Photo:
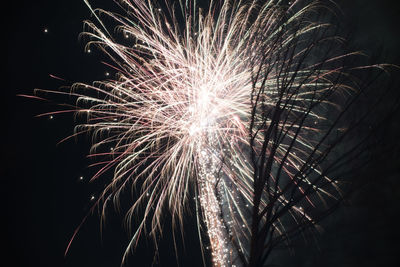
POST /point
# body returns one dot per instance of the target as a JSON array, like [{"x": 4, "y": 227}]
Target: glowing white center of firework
[
  {"x": 204, "y": 97},
  {"x": 193, "y": 129},
  {"x": 203, "y": 112}
]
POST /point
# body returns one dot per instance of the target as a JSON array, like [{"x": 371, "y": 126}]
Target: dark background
[{"x": 44, "y": 200}]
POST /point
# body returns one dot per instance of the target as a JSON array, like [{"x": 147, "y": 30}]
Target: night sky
[{"x": 45, "y": 199}]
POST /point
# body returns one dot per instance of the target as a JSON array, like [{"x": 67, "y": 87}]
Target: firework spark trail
[
  {"x": 208, "y": 186},
  {"x": 178, "y": 113}
]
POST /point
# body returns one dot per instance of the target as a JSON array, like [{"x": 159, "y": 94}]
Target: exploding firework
[{"x": 198, "y": 91}]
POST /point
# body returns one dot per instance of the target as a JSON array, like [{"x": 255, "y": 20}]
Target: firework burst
[{"x": 192, "y": 87}]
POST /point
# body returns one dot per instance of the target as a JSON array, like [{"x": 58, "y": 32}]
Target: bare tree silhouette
[{"x": 315, "y": 114}]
